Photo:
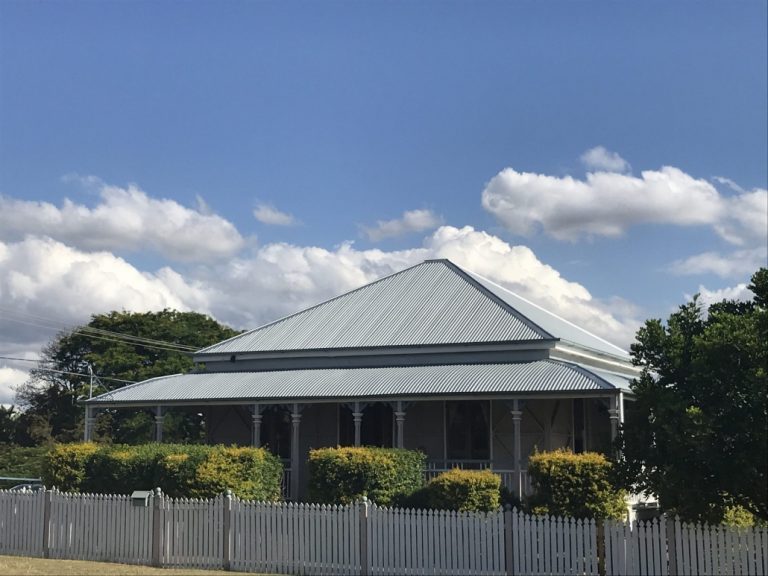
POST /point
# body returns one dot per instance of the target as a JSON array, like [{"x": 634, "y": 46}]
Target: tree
[
  {"x": 50, "y": 399},
  {"x": 697, "y": 434}
]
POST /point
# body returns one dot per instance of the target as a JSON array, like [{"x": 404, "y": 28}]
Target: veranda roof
[
  {"x": 432, "y": 303},
  {"x": 543, "y": 376}
]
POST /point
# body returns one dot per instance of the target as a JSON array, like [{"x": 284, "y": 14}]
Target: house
[{"x": 434, "y": 358}]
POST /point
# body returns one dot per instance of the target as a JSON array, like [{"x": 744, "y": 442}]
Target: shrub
[
  {"x": 383, "y": 475},
  {"x": 739, "y": 517},
  {"x": 179, "y": 470},
  {"x": 577, "y": 485},
  {"x": 465, "y": 490},
  {"x": 250, "y": 473},
  {"x": 65, "y": 465}
]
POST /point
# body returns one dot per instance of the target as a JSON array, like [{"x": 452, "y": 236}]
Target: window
[{"x": 468, "y": 430}]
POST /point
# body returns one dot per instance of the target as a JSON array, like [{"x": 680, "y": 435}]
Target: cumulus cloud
[
  {"x": 41, "y": 279},
  {"x": 726, "y": 265},
  {"x": 10, "y": 378},
  {"x": 267, "y": 214},
  {"x": 410, "y": 221},
  {"x": 601, "y": 159},
  {"x": 607, "y": 204},
  {"x": 737, "y": 292},
  {"x": 125, "y": 219}
]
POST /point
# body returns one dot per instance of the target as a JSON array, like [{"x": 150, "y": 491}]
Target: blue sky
[{"x": 246, "y": 159}]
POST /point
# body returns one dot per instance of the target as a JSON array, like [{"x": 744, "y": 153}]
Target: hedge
[
  {"x": 577, "y": 485},
  {"x": 383, "y": 475},
  {"x": 465, "y": 490},
  {"x": 179, "y": 470},
  {"x": 64, "y": 465}
]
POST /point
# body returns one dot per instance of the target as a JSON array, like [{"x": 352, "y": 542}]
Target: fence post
[
  {"x": 671, "y": 546},
  {"x": 600, "y": 546},
  {"x": 47, "y": 495},
  {"x": 508, "y": 566},
  {"x": 365, "y": 568},
  {"x": 158, "y": 514},
  {"x": 227, "y": 530}
]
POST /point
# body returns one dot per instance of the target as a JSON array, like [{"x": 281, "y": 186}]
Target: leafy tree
[
  {"x": 697, "y": 434},
  {"x": 8, "y": 419},
  {"x": 50, "y": 399}
]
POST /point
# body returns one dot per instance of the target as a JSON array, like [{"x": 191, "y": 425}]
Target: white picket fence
[
  {"x": 672, "y": 547},
  {"x": 295, "y": 538},
  {"x": 97, "y": 527},
  {"x": 192, "y": 532},
  {"x": 22, "y": 523},
  {"x": 362, "y": 538},
  {"x": 553, "y": 545},
  {"x": 435, "y": 542}
]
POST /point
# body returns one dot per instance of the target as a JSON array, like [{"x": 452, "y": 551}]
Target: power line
[
  {"x": 64, "y": 326},
  {"x": 120, "y": 338},
  {"x": 66, "y": 372},
  {"x": 19, "y": 359}
]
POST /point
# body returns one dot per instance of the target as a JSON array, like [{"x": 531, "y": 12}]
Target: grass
[{"x": 17, "y": 565}]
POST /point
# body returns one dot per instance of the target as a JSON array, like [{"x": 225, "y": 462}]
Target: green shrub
[
  {"x": 465, "y": 490},
  {"x": 253, "y": 474},
  {"x": 739, "y": 517},
  {"x": 577, "y": 485},
  {"x": 179, "y": 470},
  {"x": 383, "y": 475},
  {"x": 65, "y": 465}
]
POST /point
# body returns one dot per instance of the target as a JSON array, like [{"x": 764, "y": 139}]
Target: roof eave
[{"x": 517, "y": 345}]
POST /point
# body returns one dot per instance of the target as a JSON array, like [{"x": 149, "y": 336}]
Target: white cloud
[
  {"x": 46, "y": 286},
  {"x": 267, "y": 214},
  {"x": 709, "y": 297},
  {"x": 10, "y": 378},
  {"x": 729, "y": 183},
  {"x": 410, "y": 221},
  {"x": 726, "y": 265},
  {"x": 601, "y": 159},
  {"x": 607, "y": 204},
  {"x": 126, "y": 219},
  {"x": 745, "y": 218}
]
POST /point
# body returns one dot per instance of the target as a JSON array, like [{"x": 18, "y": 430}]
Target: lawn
[{"x": 13, "y": 565}]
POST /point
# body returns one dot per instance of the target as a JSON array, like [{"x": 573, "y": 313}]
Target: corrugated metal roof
[
  {"x": 426, "y": 304},
  {"x": 551, "y": 323},
  {"x": 329, "y": 384}
]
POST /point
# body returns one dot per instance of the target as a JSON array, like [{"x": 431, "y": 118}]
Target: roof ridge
[
  {"x": 560, "y": 318},
  {"x": 313, "y": 307},
  {"x": 465, "y": 275}
]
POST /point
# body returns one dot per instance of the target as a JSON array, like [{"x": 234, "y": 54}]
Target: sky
[{"x": 246, "y": 159}]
